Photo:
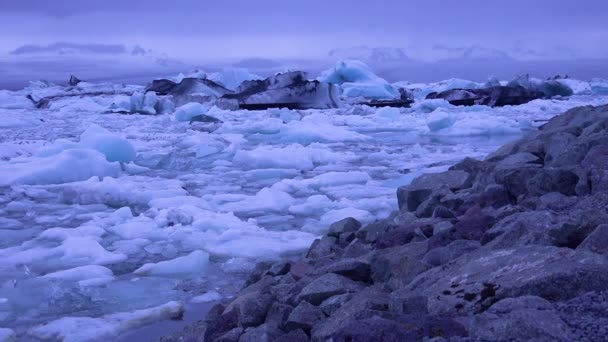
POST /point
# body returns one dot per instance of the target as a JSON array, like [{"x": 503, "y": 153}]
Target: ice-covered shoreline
[{"x": 104, "y": 213}]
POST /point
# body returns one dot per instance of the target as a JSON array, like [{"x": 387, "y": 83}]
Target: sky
[{"x": 198, "y": 29}]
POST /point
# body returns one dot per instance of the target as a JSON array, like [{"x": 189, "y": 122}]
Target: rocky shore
[{"x": 511, "y": 248}]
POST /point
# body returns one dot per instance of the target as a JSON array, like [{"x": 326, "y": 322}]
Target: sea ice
[
  {"x": 193, "y": 263},
  {"x": 358, "y": 80},
  {"x": 190, "y": 110}
]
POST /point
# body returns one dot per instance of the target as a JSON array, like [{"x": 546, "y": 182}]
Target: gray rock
[
  {"x": 252, "y": 312},
  {"x": 300, "y": 269},
  {"x": 326, "y": 286},
  {"x": 279, "y": 268},
  {"x": 443, "y": 255},
  {"x": 297, "y": 335},
  {"x": 262, "y": 333},
  {"x": 326, "y": 246},
  {"x": 232, "y": 335},
  {"x": 371, "y": 232},
  {"x": 398, "y": 266},
  {"x": 221, "y": 324},
  {"x": 356, "y": 248},
  {"x": 476, "y": 280},
  {"x": 347, "y": 225},
  {"x": 372, "y": 329},
  {"x": 597, "y": 241},
  {"x": 331, "y": 304},
  {"x": 277, "y": 314},
  {"x": 587, "y": 316},
  {"x": 365, "y": 304},
  {"x": 205, "y": 118},
  {"x": 525, "y": 318},
  {"x": 411, "y": 196},
  {"x": 350, "y": 268},
  {"x": 518, "y": 160},
  {"x": 304, "y": 317}
]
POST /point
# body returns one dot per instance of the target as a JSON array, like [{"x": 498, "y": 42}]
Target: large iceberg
[
  {"x": 231, "y": 78},
  {"x": 358, "y": 80}
]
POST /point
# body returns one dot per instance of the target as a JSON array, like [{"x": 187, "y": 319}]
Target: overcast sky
[{"x": 284, "y": 28}]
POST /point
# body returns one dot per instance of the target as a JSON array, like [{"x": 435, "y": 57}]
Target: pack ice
[{"x": 116, "y": 215}]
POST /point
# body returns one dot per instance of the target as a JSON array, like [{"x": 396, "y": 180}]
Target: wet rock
[
  {"x": 326, "y": 286},
  {"x": 304, "y": 317}
]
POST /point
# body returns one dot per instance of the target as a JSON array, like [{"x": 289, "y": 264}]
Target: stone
[
  {"x": 397, "y": 266},
  {"x": 279, "y": 268},
  {"x": 331, "y": 304},
  {"x": 304, "y": 317},
  {"x": 586, "y": 316},
  {"x": 300, "y": 269},
  {"x": 356, "y": 248},
  {"x": 365, "y": 304},
  {"x": 326, "y": 246},
  {"x": 597, "y": 241},
  {"x": 258, "y": 272},
  {"x": 262, "y": 333},
  {"x": 411, "y": 196},
  {"x": 277, "y": 314},
  {"x": 347, "y": 225},
  {"x": 350, "y": 268},
  {"x": 252, "y": 311},
  {"x": 443, "y": 255},
  {"x": 371, "y": 232},
  {"x": 431, "y": 327},
  {"x": 232, "y": 335},
  {"x": 326, "y": 286},
  {"x": 396, "y": 237},
  {"x": 297, "y": 335},
  {"x": 553, "y": 180},
  {"x": 74, "y": 81},
  {"x": 597, "y": 158},
  {"x": 221, "y": 324},
  {"x": 476, "y": 280},
  {"x": 526, "y": 318},
  {"x": 372, "y": 329}
]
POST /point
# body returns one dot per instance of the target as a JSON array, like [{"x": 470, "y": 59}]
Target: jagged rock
[
  {"x": 494, "y": 96},
  {"x": 372, "y": 329},
  {"x": 286, "y": 90},
  {"x": 371, "y": 232},
  {"x": 326, "y": 286},
  {"x": 300, "y": 269},
  {"x": 326, "y": 246},
  {"x": 262, "y": 333},
  {"x": 597, "y": 241},
  {"x": 397, "y": 266},
  {"x": 586, "y": 315},
  {"x": 279, "y": 268},
  {"x": 474, "y": 281},
  {"x": 443, "y": 255},
  {"x": 219, "y": 325},
  {"x": 277, "y": 314},
  {"x": 232, "y": 335},
  {"x": 411, "y": 196},
  {"x": 304, "y": 317},
  {"x": 331, "y": 304},
  {"x": 347, "y": 225},
  {"x": 350, "y": 268},
  {"x": 297, "y": 335},
  {"x": 526, "y": 318}
]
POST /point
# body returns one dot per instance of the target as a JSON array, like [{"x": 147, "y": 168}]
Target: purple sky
[{"x": 196, "y": 29}]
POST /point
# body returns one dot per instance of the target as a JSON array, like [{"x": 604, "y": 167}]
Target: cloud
[{"x": 71, "y": 49}]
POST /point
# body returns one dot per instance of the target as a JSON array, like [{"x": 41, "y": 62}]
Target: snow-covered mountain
[
  {"x": 470, "y": 53},
  {"x": 370, "y": 55}
]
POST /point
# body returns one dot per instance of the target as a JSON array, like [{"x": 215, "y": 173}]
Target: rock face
[
  {"x": 511, "y": 248},
  {"x": 286, "y": 90},
  {"x": 497, "y": 96}
]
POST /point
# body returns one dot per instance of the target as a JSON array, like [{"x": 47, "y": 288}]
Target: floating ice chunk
[
  {"x": 314, "y": 204},
  {"x": 150, "y": 103},
  {"x": 190, "y": 110},
  {"x": 439, "y": 121},
  {"x": 266, "y": 200},
  {"x": 326, "y": 179},
  {"x": 113, "y": 146},
  {"x": 289, "y": 157},
  {"x": 358, "y": 80},
  {"x": 7, "y": 335},
  {"x": 67, "y": 166},
  {"x": 210, "y": 296},
  {"x": 231, "y": 78},
  {"x": 78, "y": 329},
  {"x": 429, "y": 106},
  {"x": 388, "y": 114},
  {"x": 87, "y": 250},
  {"x": 84, "y": 275},
  {"x": 305, "y": 132},
  {"x": 193, "y": 263}
]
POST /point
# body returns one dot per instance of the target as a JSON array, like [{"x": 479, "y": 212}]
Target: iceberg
[
  {"x": 358, "y": 80},
  {"x": 231, "y": 78}
]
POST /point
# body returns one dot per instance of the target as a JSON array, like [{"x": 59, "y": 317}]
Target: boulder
[
  {"x": 347, "y": 225},
  {"x": 304, "y": 317},
  {"x": 411, "y": 196},
  {"x": 326, "y": 286},
  {"x": 74, "y": 80},
  {"x": 597, "y": 241},
  {"x": 526, "y": 318},
  {"x": 476, "y": 280},
  {"x": 356, "y": 270}
]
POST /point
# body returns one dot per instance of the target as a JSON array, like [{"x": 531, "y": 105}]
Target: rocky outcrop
[
  {"x": 496, "y": 96},
  {"x": 510, "y": 248}
]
